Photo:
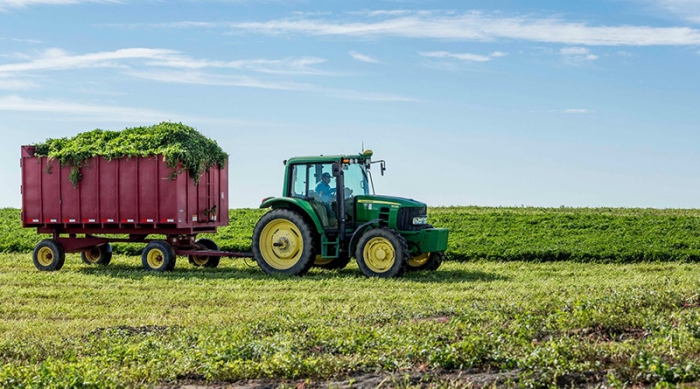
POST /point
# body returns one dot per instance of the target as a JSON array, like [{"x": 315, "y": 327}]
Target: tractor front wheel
[
  {"x": 49, "y": 255},
  {"x": 98, "y": 255},
  {"x": 158, "y": 256},
  {"x": 382, "y": 252},
  {"x": 283, "y": 243},
  {"x": 205, "y": 260}
]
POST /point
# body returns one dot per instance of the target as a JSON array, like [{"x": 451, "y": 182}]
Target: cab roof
[{"x": 330, "y": 158}]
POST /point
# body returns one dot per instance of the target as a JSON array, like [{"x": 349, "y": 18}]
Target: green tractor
[{"x": 329, "y": 213}]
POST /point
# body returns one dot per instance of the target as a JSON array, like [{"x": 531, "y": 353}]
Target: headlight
[{"x": 419, "y": 221}]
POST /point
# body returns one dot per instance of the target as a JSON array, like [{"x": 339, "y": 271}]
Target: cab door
[{"x": 307, "y": 182}]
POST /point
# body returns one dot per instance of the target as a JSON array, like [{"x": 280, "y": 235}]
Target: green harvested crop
[{"x": 176, "y": 142}]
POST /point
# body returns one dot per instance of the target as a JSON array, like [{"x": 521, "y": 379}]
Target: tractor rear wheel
[
  {"x": 382, "y": 252},
  {"x": 49, "y": 255},
  {"x": 425, "y": 261},
  {"x": 158, "y": 256},
  {"x": 283, "y": 243},
  {"x": 205, "y": 260},
  {"x": 98, "y": 255}
]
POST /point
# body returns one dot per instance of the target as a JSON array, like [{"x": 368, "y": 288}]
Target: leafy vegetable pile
[{"x": 176, "y": 142}]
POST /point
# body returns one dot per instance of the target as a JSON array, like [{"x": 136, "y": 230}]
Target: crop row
[{"x": 617, "y": 235}]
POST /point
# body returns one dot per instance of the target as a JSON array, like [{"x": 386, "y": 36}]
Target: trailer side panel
[{"x": 129, "y": 194}]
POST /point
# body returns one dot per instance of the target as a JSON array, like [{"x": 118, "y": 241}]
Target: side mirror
[{"x": 382, "y": 166}]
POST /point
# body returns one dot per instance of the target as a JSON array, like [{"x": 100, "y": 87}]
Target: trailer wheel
[
  {"x": 49, "y": 255},
  {"x": 283, "y": 243},
  {"x": 204, "y": 260},
  {"x": 98, "y": 255},
  {"x": 425, "y": 261},
  {"x": 158, "y": 256},
  {"x": 382, "y": 252}
]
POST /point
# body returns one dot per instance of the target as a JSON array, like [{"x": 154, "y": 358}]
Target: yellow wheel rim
[
  {"x": 322, "y": 261},
  {"x": 45, "y": 256},
  {"x": 419, "y": 260},
  {"x": 200, "y": 260},
  {"x": 155, "y": 258},
  {"x": 281, "y": 244},
  {"x": 379, "y": 255},
  {"x": 93, "y": 255}
]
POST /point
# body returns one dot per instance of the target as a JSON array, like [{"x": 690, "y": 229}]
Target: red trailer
[{"x": 137, "y": 196}]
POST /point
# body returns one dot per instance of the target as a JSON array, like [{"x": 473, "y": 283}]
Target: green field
[
  {"x": 531, "y": 297},
  {"x": 609, "y": 235}
]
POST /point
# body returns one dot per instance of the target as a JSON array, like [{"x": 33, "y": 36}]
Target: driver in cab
[{"x": 324, "y": 190}]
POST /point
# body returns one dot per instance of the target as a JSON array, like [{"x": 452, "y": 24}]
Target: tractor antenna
[{"x": 363, "y": 146}]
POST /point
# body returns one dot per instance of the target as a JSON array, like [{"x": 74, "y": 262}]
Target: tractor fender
[
  {"x": 358, "y": 232},
  {"x": 298, "y": 205}
]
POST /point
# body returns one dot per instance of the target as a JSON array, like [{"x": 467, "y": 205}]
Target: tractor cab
[{"x": 319, "y": 181}]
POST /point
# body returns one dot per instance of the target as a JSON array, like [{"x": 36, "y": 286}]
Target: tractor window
[
  {"x": 299, "y": 182},
  {"x": 315, "y": 181},
  {"x": 356, "y": 182}
]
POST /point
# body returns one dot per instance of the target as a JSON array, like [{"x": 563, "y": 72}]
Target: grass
[
  {"x": 546, "y": 324},
  {"x": 534, "y": 297}
]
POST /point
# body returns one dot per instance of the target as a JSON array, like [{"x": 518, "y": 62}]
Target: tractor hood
[{"x": 395, "y": 202}]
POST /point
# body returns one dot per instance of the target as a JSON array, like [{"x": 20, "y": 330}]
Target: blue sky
[{"x": 538, "y": 103}]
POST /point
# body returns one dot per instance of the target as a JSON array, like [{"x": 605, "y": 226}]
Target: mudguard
[{"x": 300, "y": 205}]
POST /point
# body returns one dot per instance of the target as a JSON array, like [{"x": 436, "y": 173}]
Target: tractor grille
[{"x": 405, "y": 218}]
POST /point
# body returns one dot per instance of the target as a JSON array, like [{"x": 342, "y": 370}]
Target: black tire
[
  {"x": 205, "y": 261},
  {"x": 433, "y": 263},
  {"x": 390, "y": 257},
  {"x": 171, "y": 266},
  {"x": 158, "y": 256},
  {"x": 283, "y": 243},
  {"x": 49, "y": 255},
  {"x": 98, "y": 255},
  {"x": 335, "y": 264}
]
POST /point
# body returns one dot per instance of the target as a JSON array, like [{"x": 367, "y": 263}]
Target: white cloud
[
  {"x": 576, "y": 111},
  {"x": 688, "y": 10},
  {"x": 11, "y": 4},
  {"x": 106, "y": 113},
  {"x": 57, "y": 59},
  {"x": 200, "y": 78},
  {"x": 377, "y": 13},
  {"x": 479, "y": 26},
  {"x": 170, "y": 66},
  {"x": 76, "y": 111},
  {"x": 197, "y": 78},
  {"x": 282, "y": 66},
  {"x": 462, "y": 56},
  {"x": 577, "y": 55},
  {"x": 363, "y": 58}
]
